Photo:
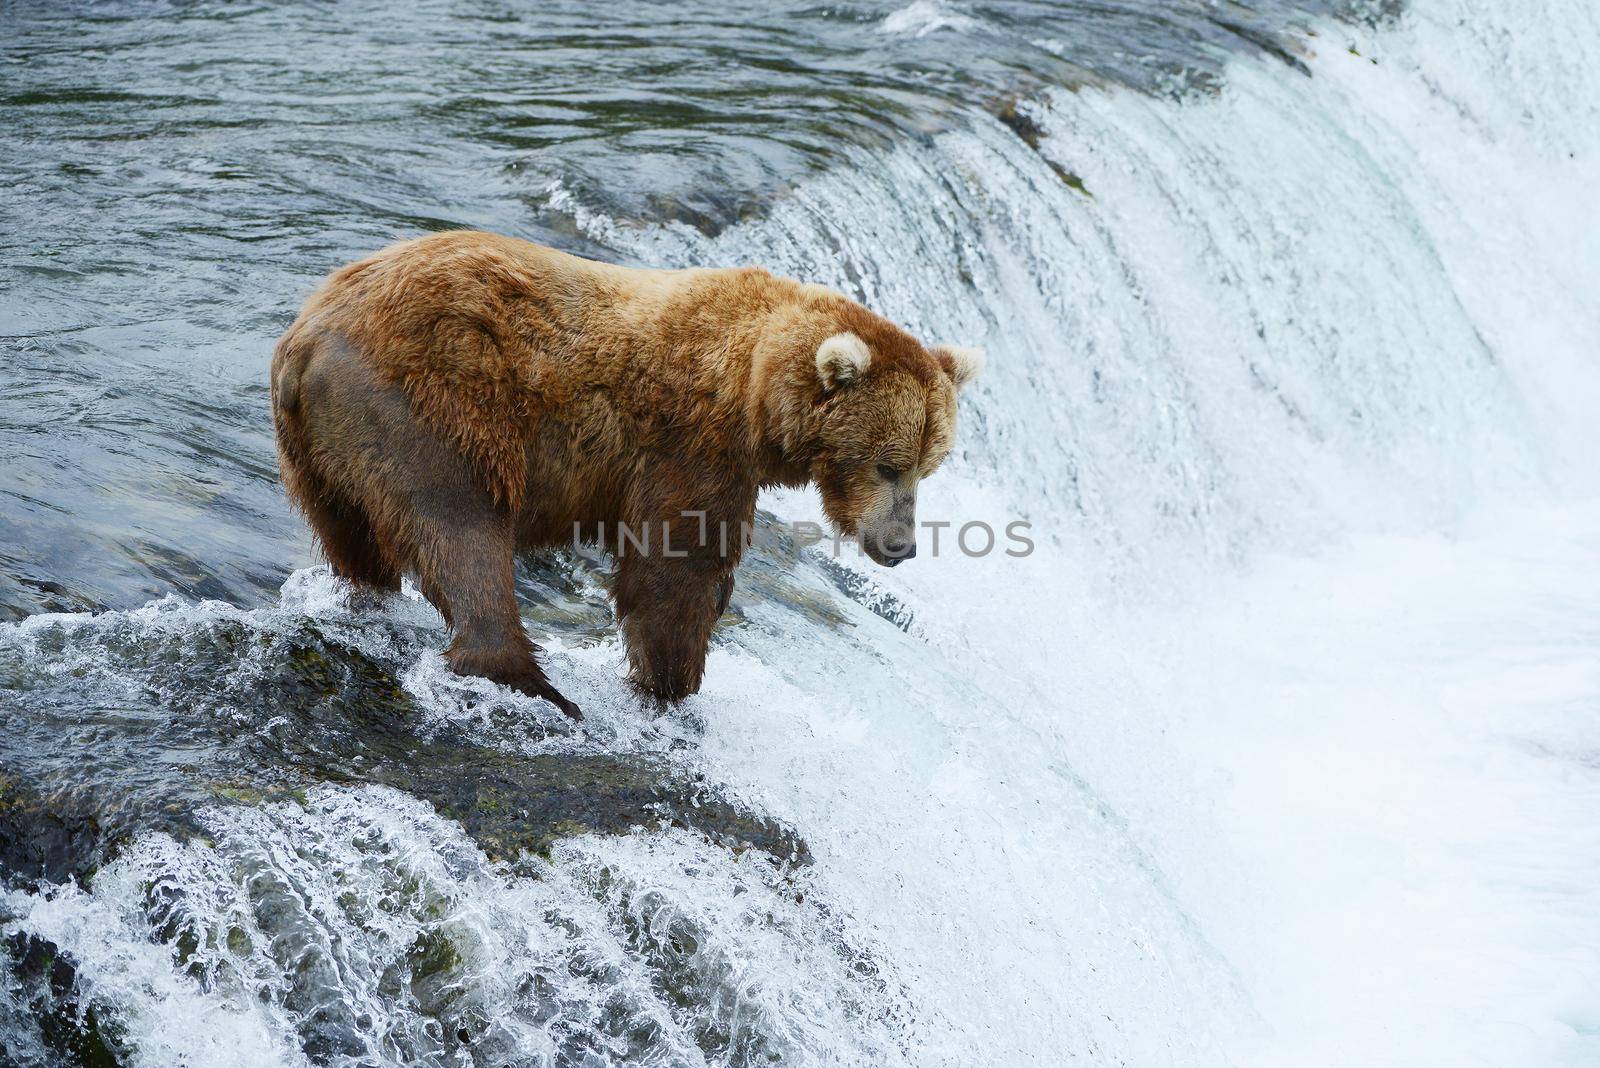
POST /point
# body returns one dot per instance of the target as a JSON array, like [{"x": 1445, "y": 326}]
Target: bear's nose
[{"x": 899, "y": 550}]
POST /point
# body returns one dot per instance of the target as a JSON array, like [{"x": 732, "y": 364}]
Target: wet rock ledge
[{"x": 176, "y": 724}]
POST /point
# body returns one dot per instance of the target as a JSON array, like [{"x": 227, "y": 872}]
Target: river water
[{"x": 1281, "y": 747}]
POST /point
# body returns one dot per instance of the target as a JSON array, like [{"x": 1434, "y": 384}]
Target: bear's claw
[
  {"x": 510, "y": 669},
  {"x": 543, "y": 689}
]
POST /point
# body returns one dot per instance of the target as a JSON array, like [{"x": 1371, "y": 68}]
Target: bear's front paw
[{"x": 667, "y": 686}]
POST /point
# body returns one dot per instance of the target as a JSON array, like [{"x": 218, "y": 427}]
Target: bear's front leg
[{"x": 667, "y": 607}]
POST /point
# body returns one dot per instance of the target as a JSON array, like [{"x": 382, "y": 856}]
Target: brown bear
[{"x": 454, "y": 399}]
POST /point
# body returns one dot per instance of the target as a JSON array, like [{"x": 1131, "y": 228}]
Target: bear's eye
[{"x": 888, "y": 473}]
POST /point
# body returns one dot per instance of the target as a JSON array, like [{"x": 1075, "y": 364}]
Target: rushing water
[{"x": 1281, "y": 747}]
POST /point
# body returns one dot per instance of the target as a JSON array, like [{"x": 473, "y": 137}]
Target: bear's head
[{"x": 882, "y": 417}]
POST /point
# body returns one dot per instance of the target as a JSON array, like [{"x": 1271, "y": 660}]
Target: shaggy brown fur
[{"x": 452, "y": 400}]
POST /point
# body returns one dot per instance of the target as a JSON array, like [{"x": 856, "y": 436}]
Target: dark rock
[
  {"x": 47, "y": 984},
  {"x": 182, "y": 729},
  {"x": 1028, "y": 129}
]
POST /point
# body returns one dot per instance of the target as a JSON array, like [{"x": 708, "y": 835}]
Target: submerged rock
[
  {"x": 63, "y": 1031},
  {"x": 226, "y": 713},
  {"x": 1016, "y": 118}
]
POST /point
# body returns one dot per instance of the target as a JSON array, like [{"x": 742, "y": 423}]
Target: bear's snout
[
  {"x": 895, "y": 552},
  {"x": 892, "y": 544},
  {"x": 899, "y": 545}
]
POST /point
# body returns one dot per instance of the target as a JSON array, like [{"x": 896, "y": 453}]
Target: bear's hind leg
[
  {"x": 342, "y": 530},
  {"x": 349, "y": 542}
]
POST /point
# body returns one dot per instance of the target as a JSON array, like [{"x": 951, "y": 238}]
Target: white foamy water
[
  {"x": 302, "y": 929},
  {"x": 1280, "y": 748}
]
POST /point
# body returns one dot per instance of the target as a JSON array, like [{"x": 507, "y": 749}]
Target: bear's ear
[
  {"x": 841, "y": 360},
  {"x": 962, "y": 365}
]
